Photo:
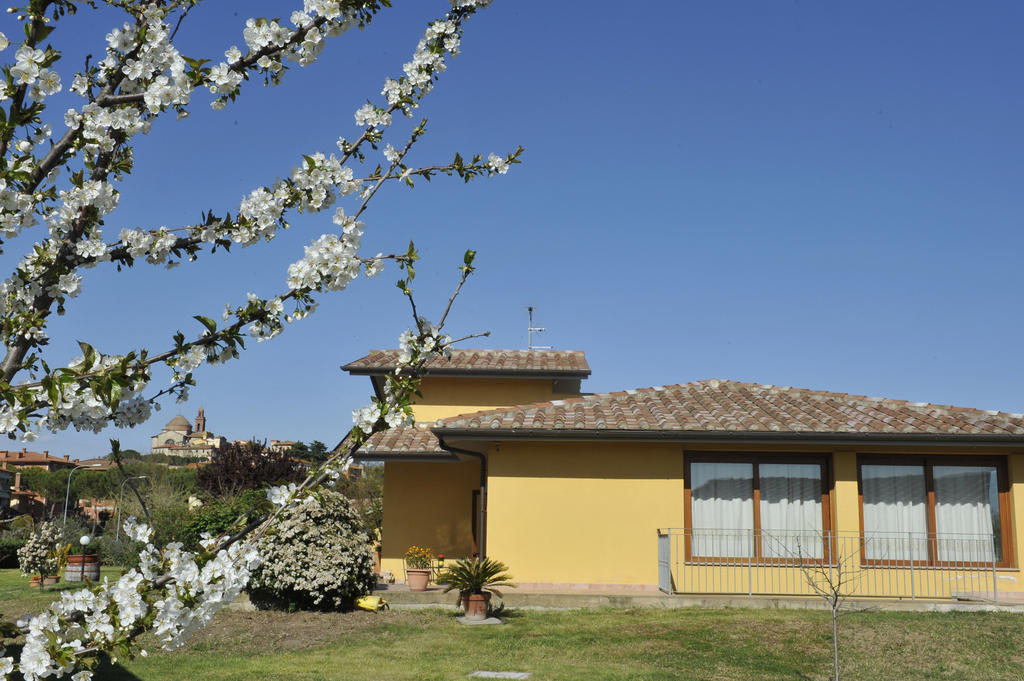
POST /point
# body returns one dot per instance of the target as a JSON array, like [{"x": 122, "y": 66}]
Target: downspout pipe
[{"x": 482, "y": 512}]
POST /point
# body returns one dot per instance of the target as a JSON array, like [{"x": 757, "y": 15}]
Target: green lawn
[{"x": 719, "y": 645}]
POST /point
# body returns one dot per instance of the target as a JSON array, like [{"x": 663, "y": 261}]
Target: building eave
[{"x": 738, "y": 437}]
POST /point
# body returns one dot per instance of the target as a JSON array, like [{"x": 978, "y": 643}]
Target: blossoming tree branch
[{"x": 59, "y": 179}]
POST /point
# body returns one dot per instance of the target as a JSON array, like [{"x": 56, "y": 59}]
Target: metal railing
[{"x": 910, "y": 565}]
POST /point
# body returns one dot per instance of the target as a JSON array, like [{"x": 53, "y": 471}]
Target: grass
[
  {"x": 18, "y": 598},
  {"x": 654, "y": 645}
]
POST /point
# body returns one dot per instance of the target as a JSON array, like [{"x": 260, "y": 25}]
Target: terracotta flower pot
[
  {"x": 476, "y": 605},
  {"x": 418, "y": 578},
  {"x": 50, "y": 580}
]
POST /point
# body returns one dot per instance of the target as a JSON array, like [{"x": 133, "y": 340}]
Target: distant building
[
  {"x": 27, "y": 459},
  {"x": 6, "y": 482},
  {"x": 283, "y": 446},
  {"x": 178, "y": 438},
  {"x": 22, "y": 500}
]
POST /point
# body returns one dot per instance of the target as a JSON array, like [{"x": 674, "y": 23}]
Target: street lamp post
[
  {"x": 120, "y": 498},
  {"x": 67, "y": 493}
]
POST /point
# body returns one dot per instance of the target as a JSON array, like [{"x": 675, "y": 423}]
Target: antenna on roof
[{"x": 530, "y": 330}]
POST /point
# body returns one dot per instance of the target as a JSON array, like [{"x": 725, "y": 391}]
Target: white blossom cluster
[
  {"x": 320, "y": 180},
  {"x": 17, "y": 210},
  {"x": 315, "y": 555},
  {"x": 330, "y": 262},
  {"x": 187, "y": 596},
  {"x": 441, "y": 37},
  {"x": 28, "y": 70},
  {"x": 275, "y": 43},
  {"x": 415, "y": 350},
  {"x": 281, "y": 495},
  {"x": 79, "y": 406}
]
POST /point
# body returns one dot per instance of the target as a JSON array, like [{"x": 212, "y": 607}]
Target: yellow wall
[
  {"x": 1016, "y": 472},
  {"x": 450, "y": 396},
  {"x": 430, "y": 504},
  {"x": 576, "y": 513},
  {"x": 582, "y": 512},
  {"x": 427, "y": 504},
  {"x": 845, "y": 497}
]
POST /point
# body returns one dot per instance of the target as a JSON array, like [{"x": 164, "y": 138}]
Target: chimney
[
  {"x": 66, "y": 456},
  {"x": 21, "y": 454},
  {"x": 46, "y": 452}
]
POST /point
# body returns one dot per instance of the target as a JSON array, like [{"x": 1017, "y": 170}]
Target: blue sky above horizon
[{"x": 820, "y": 196}]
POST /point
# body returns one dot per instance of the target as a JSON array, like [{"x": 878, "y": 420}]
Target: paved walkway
[{"x": 399, "y": 596}]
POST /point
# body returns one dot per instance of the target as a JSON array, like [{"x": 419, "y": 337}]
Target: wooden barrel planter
[{"x": 81, "y": 568}]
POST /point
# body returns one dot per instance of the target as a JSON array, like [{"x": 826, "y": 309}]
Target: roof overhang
[
  {"x": 404, "y": 456},
  {"x": 474, "y": 373},
  {"x": 464, "y": 436}
]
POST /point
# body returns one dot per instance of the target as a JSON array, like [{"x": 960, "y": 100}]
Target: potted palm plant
[{"x": 476, "y": 579}]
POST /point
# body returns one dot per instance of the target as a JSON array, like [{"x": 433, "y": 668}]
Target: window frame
[
  {"x": 928, "y": 462},
  {"x": 756, "y": 458}
]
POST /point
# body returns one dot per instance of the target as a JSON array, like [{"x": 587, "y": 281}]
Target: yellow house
[{"x": 708, "y": 487}]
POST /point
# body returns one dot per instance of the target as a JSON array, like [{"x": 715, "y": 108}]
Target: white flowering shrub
[
  {"x": 316, "y": 556},
  {"x": 39, "y": 554}
]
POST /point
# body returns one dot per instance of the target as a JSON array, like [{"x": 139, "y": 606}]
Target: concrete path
[{"x": 398, "y": 595}]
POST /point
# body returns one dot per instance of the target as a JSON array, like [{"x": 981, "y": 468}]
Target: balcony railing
[{"x": 909, "y": 565}]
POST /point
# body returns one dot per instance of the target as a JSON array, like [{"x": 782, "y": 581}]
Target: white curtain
[
  {"x": 722, "y": 509},
  {"x": 790, "y": 510},
  {"x": 895, "y": 512},
  {"x": 966, "y": 513}
]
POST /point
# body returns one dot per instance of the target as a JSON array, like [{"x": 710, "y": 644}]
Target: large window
[
  {"x": 934, "y": 510},
  {"x": 769, "y": 507}
]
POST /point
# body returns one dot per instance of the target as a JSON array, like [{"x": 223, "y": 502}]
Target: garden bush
[
  {"x": 9, "y": 550},
  {"x": 217, "y": 515},
  {"x": 315, "y": 557},
  {"x": 38, "y": 557}
]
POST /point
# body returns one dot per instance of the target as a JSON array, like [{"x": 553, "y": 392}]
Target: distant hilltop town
[{"x": 181, "y": 438}]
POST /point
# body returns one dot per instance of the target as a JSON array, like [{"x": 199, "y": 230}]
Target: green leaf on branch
[
  {"x": 207, "y": 322},
  {"x": 89, "y": 353}
]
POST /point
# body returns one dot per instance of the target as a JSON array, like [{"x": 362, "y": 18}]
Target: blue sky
[{"x": 795, "y": 193}]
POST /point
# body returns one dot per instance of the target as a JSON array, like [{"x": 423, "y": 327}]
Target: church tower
[{"x": 201, "y": 421}]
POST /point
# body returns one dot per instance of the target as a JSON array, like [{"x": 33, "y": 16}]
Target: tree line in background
[{"x": 185, "y": 502}]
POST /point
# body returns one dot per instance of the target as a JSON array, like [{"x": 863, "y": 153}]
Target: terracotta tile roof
[
  {"x": 413, "y": 442},
  {"x": 27, "y": 458},
  {"x": 728, "y": 408},
  {"x": 539, "y": 363}
]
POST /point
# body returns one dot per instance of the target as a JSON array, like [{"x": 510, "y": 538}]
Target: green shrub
[
  {"x": 315, "y": 557},
  {"x": 9, "y": 551},
  {"x": 119, "y": 550},
  {"x": 216, "y": 516}
]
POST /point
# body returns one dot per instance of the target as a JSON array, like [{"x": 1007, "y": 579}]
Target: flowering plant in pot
[
  {"x": 417, "y": 567},
  {"x": 476, "y": 579}
]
